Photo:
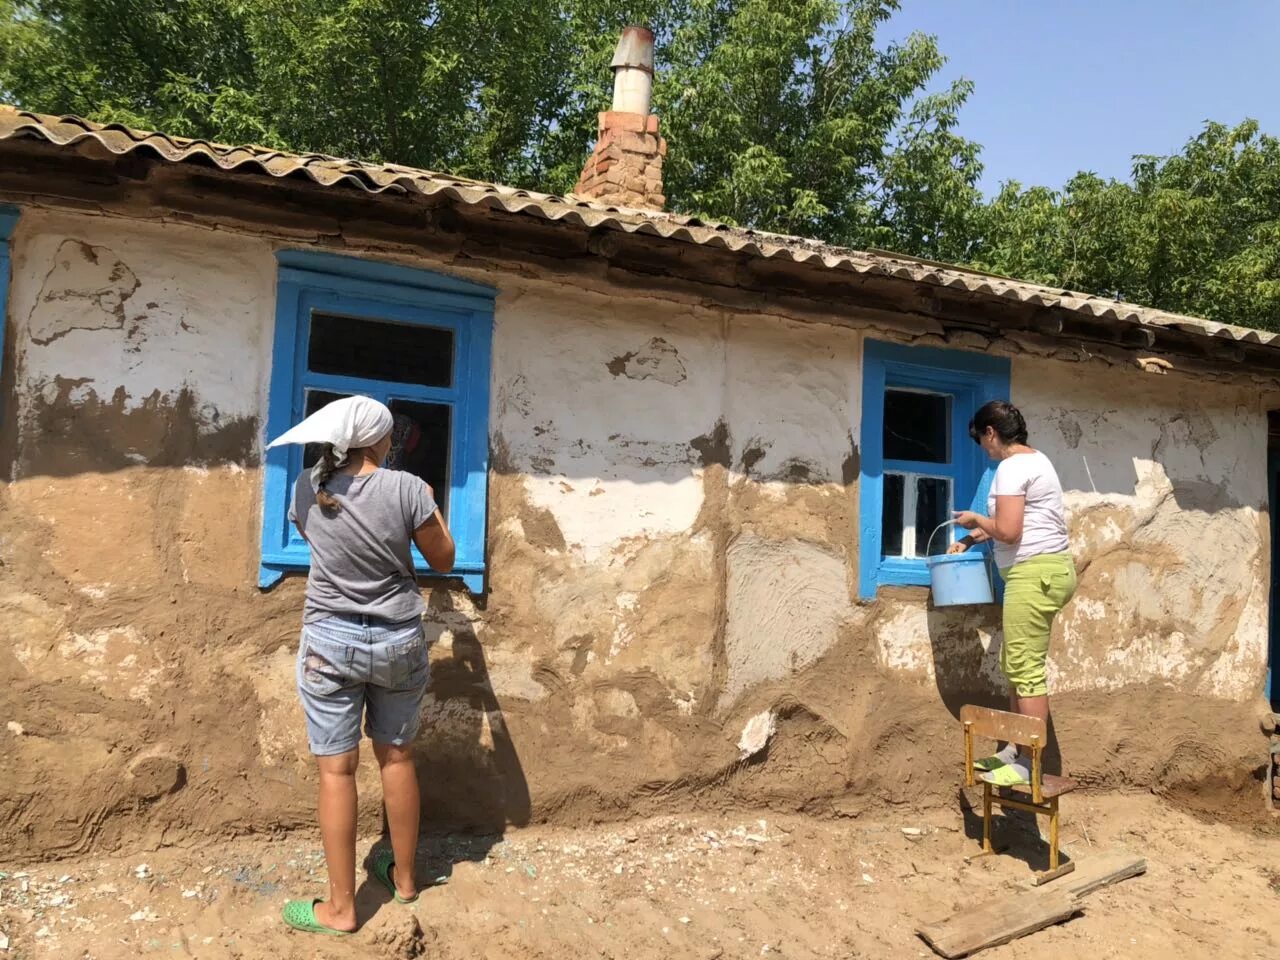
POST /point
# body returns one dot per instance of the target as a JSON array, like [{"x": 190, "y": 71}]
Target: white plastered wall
[{"x": 133, "y": 313}]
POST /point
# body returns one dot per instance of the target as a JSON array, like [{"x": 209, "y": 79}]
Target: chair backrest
[
  {"x": 1012, "y": 727},
  {"x": 1002, "y": 725}
]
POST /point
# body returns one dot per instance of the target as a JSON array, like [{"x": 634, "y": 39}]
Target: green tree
[
  {"x": 1197, "y": 232},
  {"x": 786, "y": 115},
  {"x": 183, "y": 66},
  {"x": 783, "y": 114}
]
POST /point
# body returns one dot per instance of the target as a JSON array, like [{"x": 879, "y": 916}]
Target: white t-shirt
[{"x": 1044, "y": 519}]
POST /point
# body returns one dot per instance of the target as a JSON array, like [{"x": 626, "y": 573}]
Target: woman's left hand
[{"x": 967, "y": 519}]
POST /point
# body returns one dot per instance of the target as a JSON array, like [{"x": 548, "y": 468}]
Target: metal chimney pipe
[{"x": 633, "y": 71}]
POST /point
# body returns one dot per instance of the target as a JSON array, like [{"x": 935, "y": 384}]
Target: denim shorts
[{"x": 350, "y": 666}]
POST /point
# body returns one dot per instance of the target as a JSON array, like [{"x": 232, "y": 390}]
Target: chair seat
[{"x": 1050, "y": 786}]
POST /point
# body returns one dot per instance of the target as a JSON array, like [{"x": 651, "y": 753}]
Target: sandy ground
[{"x": 705, "y": 886}]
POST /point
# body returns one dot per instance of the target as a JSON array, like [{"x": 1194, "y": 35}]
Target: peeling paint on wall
[
  {"x": 118, "y": 317},
  {"x": 87, "y": 288},
  {"x": 1166, "y": 496},
  {"x": 657, "y": 360}
]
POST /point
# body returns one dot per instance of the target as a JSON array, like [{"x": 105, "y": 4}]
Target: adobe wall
[{"x": 673, "y": 550}]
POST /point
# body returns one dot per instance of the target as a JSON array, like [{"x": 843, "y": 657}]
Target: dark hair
[{"x": 1004, "y": 418}]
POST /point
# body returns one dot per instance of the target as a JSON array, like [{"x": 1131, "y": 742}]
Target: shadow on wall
[
  {"x": 1070, "y": 438},
  {"x": 967, "y": 668},
  {"x": 1092, "y": 472},
  {"x": 1094, "y": 456},
  {"x": 468, "y": 767},
  {"x": 470, "y": 775}
]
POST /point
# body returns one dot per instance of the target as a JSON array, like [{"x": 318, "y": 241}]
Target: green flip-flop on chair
[{"x": 1007, "y": 775}]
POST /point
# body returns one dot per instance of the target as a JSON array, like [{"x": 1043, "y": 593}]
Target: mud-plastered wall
[
  {"x": 673, "y": 533},
  {"x": 1165, "y": 486},
  {"x": 672, "y": 556},
  {"x": 138, "y": 655},
  {"x": 1167, "y": 492}
]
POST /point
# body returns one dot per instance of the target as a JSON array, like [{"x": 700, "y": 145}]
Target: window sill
[
  {"x": 901, "y": 594},
  {"x": 902, "y": 573},
  {"x": 272, "y": 571}
]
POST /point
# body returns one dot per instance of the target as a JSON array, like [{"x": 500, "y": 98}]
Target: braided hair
[{"x": 329, "y": 464}]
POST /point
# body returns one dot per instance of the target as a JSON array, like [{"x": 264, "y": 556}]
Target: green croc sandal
[
  {"x": 301, "y": 915},
  {"x": 383, "y": 861},
  {"x": 987, "y": 764}
]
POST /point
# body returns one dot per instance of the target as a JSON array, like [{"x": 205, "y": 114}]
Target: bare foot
[
  {"x": 406, "y": 887},
  {"x": 327, "y": 916}
]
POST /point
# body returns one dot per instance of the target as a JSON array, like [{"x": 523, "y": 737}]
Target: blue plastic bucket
[{"x": 959, "y": 579}]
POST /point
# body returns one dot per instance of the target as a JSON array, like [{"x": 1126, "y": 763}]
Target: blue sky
[{"x": 1068, "y": 85}]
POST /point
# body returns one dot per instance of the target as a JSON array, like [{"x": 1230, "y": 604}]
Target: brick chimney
[{"x": 625, "y": 168}]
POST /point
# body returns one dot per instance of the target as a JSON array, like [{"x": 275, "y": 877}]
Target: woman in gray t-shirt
[{"x": 362, "y": 652}]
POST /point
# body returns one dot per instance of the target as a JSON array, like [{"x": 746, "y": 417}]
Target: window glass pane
[
  {"x": 421, "y": 434},
  {"x": 315, "y": 400},
  {"x": 425, "y": 447},
  {"x": 378, "y": 350},
  {"x": 891, "y": 522},
  {"x": 933, "y": 508},
  {"x": 916, "y": 426}
]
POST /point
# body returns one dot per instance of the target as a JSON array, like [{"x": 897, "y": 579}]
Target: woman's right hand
[{"x": 958, "y": 547}]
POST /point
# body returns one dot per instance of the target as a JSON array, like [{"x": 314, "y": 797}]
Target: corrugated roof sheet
[{"x": 328, "y": 171}]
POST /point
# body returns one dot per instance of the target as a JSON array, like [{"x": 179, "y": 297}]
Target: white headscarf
[{"x": 349, "y": 423}]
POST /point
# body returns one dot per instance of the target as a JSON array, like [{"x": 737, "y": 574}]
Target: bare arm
[
  {"x": 1005, "y": 526},
  {"x": 436, "y": 543},
  {"x": 972, "y": 539}
]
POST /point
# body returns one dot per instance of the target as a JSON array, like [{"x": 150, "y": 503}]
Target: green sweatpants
[{"x": 1034, "y": 591}]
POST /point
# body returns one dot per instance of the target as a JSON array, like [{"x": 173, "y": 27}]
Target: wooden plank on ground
[
  {"x": 999, "y": 921},
  {"x": 1100, "y": 871},
  {"x": 1040, "y": 879}
]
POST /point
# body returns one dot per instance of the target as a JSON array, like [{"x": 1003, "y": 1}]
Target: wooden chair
[{"x": 1044, "y": 789}]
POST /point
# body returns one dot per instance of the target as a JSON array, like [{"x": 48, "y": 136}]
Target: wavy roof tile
[{"x": 333, "y": 172}]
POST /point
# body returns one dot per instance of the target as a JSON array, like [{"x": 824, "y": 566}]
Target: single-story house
[{"x": 691, "y": 469}]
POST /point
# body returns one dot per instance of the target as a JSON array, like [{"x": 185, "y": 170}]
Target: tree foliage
[
  {"x": 785, "y": 115},
  {"x": 1197, "y": 232},
  {"x": 788, "y": 116}
]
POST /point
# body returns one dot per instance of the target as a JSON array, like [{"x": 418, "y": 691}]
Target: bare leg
[
  {"x": 338, "y": 831},
  {"x": 1011, "y": 749},
  {"x": 1008, "y": 751},
  {"x": 400, "y": 795},
  {"x": 1031, "y": 706}
]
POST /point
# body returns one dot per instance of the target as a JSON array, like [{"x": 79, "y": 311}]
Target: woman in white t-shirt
[{"x": 1028, "y": 527}]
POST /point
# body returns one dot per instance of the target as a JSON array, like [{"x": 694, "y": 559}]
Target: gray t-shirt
[{"x": 360, "y": 556}]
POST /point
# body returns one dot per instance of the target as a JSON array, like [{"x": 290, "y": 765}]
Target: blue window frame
[
  {"x": 8, "y": 220},
  {"x": 918, "y": 461},
  {"x": 406, "y": 305}
]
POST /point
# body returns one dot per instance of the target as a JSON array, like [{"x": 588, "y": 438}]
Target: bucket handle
[{"x": 928, "y": 547}]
